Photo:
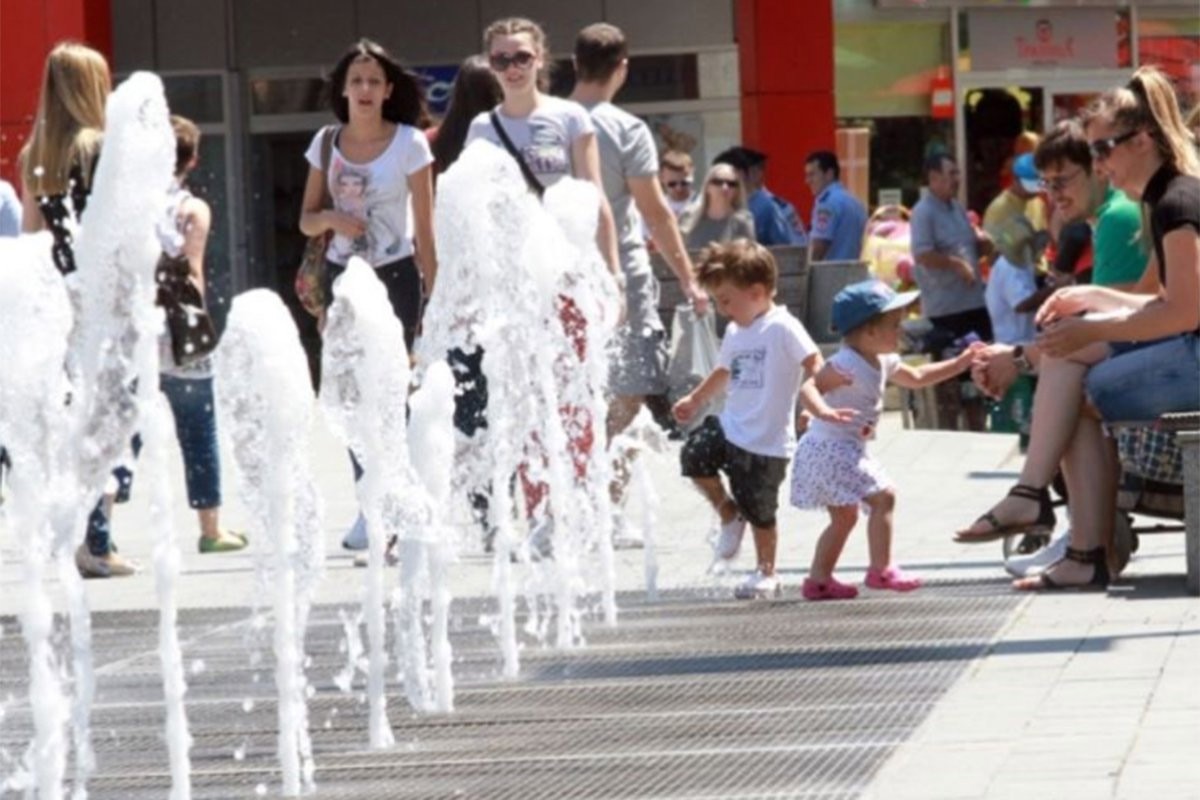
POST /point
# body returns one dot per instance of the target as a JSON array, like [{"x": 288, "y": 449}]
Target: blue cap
[
  {"x": 1026, "y": 172},
  {"x": 860, "y": 302}
]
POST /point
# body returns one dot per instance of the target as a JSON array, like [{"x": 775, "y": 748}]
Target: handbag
[
  {"x": 695, "y": 352},
  {"x": 190, "y": 327},
  {"x": 309, "y": 284},
  {"x": 531, "y": 180}
]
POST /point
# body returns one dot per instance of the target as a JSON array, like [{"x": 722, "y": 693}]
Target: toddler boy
[{"x": 765, "y": 355}]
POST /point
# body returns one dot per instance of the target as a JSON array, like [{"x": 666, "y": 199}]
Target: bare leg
[
  {"x": 1055, "y": 417},
  {"x": 209, "y": 518},
  {"x": 879, "y": 528},
  {"x": 621, "y": 412},
  {"x": 1090, "y": 469},
  {"x": 833, "y": 539},
  {"x": 765, "y": 542},
  {"x": 714, "y": 491}
]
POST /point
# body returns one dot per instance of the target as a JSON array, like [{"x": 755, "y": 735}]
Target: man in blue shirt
[
  {"x": 775, "y": 219},
  {"x": 838, "y": 217}
]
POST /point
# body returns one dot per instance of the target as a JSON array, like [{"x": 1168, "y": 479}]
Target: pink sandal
[
  {"x": 831, "y": 589},
  {"x": 891, "y": 578}
]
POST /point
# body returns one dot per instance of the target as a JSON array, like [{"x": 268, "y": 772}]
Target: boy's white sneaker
[
  {"x": 729, "y": 540},
  {"x": 757, "y": 587}
]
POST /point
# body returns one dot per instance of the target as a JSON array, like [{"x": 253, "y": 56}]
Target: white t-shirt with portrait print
[
  {"x": 544, "y": 138},
  {"x": 766, "y": 366},
  {"x": 376, "y": 192}
]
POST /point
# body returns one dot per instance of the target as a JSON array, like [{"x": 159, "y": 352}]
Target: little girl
[{"x": 832, "y": 467}]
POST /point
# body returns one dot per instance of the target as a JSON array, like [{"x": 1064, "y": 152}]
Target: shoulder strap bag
[
  {"x": 310, "y": 277},
  {"x": 535, "y": 185}
]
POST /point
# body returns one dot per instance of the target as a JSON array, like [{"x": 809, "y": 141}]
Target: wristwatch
[{"x": 1024, "y": 365}]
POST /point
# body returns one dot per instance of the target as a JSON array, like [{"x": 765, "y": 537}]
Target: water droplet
[
  {"x": 261, "y": 790},
  {"x": 197, "y": 666},
  {"x": 247, "y": 705}
]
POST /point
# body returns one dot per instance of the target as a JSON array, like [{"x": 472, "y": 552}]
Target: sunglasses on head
[
  {"x": 724, "y": 183},
  {"x": 500, "y": 61},
  {"x": 1103, "y": 148},
  {"x": 678, "y": 184}
]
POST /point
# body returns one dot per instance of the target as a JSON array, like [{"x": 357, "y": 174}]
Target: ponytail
[{"x": 1163, "y": 121}]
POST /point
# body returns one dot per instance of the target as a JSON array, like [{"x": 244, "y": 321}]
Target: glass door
[{"x": 1000, "y": 122}]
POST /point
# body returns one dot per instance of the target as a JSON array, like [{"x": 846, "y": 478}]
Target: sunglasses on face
[
  {"x": 501, "y": 62},
  {"x": 724, "y": 183},
  {"x": 1103, "y": 148},
  {"x": 678, "y": 184}
]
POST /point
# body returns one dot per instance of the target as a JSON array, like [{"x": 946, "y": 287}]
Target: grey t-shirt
[
  {"x": 544, "y": 138},
  {"x": 701, "y": 229},
  {"x": 943, "y": 228},
  {"x": 626, "y": 151}
]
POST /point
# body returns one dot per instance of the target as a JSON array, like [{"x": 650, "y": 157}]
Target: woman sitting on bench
[{"x": 1136, "y": 354}]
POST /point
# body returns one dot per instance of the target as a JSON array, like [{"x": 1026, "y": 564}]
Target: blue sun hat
[{"x": 859, "y": 302}]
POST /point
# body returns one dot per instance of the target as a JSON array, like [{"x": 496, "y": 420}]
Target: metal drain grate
[{"x": 694, "y": 696}]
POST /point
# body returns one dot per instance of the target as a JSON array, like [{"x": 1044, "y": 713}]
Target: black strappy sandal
[
  {"x": 1044, "y": 524},
  {"x": 1097, "y": 557}
]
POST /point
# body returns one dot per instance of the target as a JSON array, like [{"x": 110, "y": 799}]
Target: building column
[
  {"x": 31, "y": 29},
  {"x": 785, "y": 61}
]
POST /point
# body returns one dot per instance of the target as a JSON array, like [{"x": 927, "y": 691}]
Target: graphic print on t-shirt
[
  {"x": 748, "y": 369},
  {"x": 353, "y": 194},
  {"x": 547, "y": 152}
]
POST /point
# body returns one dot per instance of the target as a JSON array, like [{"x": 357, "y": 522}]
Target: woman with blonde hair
[
  {"x": 1111, "y": 355},
  {"x": 720, "y": 214},
  {"x": 59, "y": 158},
  {"x": 57, "y": 164}
]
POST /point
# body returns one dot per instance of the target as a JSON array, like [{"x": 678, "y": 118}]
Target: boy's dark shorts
[{"x": 753, "y": 479}]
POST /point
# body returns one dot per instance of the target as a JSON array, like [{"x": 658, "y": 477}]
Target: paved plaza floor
[{"x": 964, "y": 689}]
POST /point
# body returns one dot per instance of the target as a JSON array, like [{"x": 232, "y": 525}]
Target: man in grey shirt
[
  {"x": 629, "y": 171},
  {"x": 945, "y": 250}
]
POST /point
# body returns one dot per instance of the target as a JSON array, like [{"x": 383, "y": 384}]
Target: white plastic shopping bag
[{"x": 694, "y": 352}]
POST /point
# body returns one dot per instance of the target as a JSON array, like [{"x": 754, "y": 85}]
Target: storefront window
[
  {"x": 886, "y": 69},
  {"x": 1173, "y": 45},
  {"x": 899, "y": 146}
]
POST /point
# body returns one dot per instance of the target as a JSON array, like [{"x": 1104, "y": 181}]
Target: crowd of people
[{"x": 1111, "y": 334}]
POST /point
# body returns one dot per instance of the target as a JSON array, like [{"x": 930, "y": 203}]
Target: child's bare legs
[
  {"x": 765, "y": 541},
  {"x": 879, "y": 528},
  {"x": 882, "y": 574},
  {"x": 833, "y": 539},
  {"x": 714, "y": 491}
]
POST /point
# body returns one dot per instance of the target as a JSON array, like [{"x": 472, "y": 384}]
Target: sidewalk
[{"x": 1079, "y": 696}]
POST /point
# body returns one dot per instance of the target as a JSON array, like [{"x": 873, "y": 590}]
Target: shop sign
[{"x": 1042, "y": 39}]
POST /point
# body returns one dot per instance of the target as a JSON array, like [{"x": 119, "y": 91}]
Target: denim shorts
[{"x": 1140, "y": 382}]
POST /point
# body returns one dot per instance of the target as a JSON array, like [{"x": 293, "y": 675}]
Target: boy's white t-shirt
[
  {"x": 376, "y": 192},
  {"x": 766, "y": 363},
  {"x": 1007, "y": 286},
  {"x": 864, "y": 394}
]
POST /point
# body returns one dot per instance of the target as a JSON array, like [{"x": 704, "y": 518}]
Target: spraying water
[
  {"x": 81, "y": 438},
  {"x": 544, "y": 314},
  {"x": 266, "y": 404}
]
